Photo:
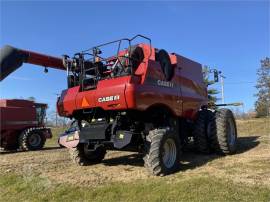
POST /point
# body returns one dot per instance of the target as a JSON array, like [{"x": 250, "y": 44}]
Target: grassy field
[{"x": 49, "y": 175}]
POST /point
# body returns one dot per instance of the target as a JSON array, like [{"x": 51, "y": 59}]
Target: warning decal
[{"x": 85, "y": 102}]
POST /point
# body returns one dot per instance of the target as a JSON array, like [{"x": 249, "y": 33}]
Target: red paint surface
[
  {"x": 16, "y": 116},
  {"x": 141, "y": 91}
]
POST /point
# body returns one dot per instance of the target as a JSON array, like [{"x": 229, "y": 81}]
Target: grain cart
[
  {"x": 137, "y": 98},
  {"x": 22, "y": 125}
]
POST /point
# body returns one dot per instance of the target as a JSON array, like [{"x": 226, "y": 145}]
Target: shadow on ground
[
  {"x": 132, "y": 159},
  {"x": 2, "y": 152},
  {"x": 190, "y": 159},
  {"x": 247, "y": 143},
  {"x": 193, "y": 159}
]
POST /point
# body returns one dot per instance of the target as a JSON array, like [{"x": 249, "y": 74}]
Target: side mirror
[{"x": 216, "y": 75}]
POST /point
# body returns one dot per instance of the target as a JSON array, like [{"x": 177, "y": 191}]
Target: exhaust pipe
[{"x": 12, "y": 58}]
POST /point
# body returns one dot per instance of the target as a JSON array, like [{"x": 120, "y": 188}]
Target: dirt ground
[{"x": 250, "y": 165}]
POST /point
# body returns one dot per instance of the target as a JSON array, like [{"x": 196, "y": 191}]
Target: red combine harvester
[
  {"x": 22, "y": 125},
  {"x": 138, "y": 98}
]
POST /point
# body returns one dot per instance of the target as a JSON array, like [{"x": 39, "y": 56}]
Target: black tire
[
  {"x": 165, "y": 63},
  {"x": 82, "y": 157},
  {"x": 155, "y": 156},
  {"x": 203, "y": 129},
  {"x": 224, "y": 138},
  {"x": 31, "y": 139}
]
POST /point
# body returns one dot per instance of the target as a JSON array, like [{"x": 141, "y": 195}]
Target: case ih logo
[
  {"x": 109, "y": 98},
  {"x": 165, "y": 83}
]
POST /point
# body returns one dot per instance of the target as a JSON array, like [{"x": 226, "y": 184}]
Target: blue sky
[{"x": 232, "y": 36}]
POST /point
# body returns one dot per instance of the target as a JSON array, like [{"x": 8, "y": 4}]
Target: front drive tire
[
  {"x": 31, "y": 139},
  {"x": 224, "y": 138},
  {"x": 162, "y": 152},
  {"x": 81, "y": 156}
]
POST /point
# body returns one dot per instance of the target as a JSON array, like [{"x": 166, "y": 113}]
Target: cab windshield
[{"x": 40, "y": 113}]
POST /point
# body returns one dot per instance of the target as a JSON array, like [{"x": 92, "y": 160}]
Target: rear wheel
[
  {"x": 31, "y": 139},
  {"x": 82, "y": 156},
  {"x": 162, "y": 152},
  {"x": 224, "y": 140}
]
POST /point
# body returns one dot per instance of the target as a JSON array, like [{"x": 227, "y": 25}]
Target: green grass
[
  {"x": 256, "y": 126},
  {"x": 34, "y": 188},
  {"x": 55, "y": 132}
]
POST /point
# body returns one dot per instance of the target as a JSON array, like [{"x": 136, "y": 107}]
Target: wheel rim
[
  {"x": 169, "y": 153},
  {"x": 34, "y": 140},
  {"x": 231, "y": 133}
]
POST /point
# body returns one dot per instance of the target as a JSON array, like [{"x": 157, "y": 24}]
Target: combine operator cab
[
  {"x": 40, "y": 113},
  {"x": 86, "y": 68}
]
